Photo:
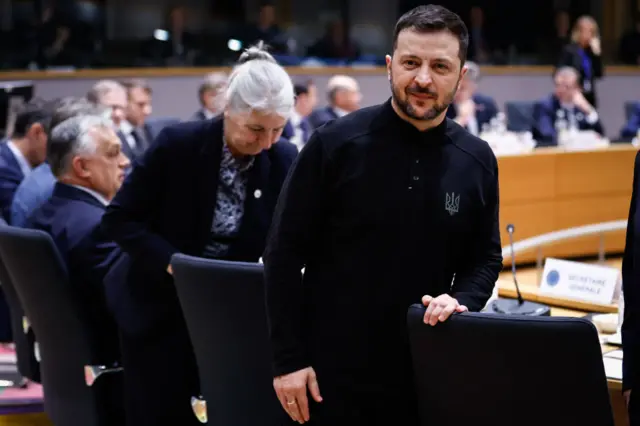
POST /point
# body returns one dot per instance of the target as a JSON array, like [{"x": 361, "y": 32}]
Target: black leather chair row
[
  {"x": 38, "y": 275},
  {"x": 22, "y": 333},
  {"x": 475, "y": 369}
]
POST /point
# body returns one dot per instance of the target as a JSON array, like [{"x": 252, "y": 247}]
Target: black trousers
[
  {"x": 634, "y": 409},
  {"x": 160, "y": 376}
]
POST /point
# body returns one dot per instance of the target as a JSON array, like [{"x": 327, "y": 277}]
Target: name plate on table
[{"x": 579, "y": 281}]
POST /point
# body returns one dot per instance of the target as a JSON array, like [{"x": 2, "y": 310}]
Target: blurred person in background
[
  {"x": 111, "y": 95},
  {"x": 344, "y": 96},
  {"x": 632, "y": 126},
  {"x": 226, "y": 172},
  {"x": 584, "y": 54},
  {"x": 25, "y": 149},
  {"x": 630, "y": 45},
  {"x": 552, "y": 46},
  {"x": 334, "y": 44},
  {"x": 469, "y": 109},
  {"x": 135, "y": 129},
  {"x": 298, "y": 130},
  {"x": 211, "y": 96},
  {"x": 565, "y": 106},
  {"x": 37, "y": 187},
  {"x": 479, "y": 45},
  {"x": 173, "y": 44},
  {"x": 266, "y": 29}
]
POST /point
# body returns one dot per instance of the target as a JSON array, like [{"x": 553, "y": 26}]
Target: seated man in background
[
  {"x": 344, "y": 97},
  {"x": 37, "y": 187},
  {"x": 469, "y": 109},
  {"x": 298, "y": 130},
  {"x": 86, "y": 158},
  {"x": 211, "y": 96},
  {"x": 566, "y": 106},
  {"x": 631, "y": 128},
  {"x": 112, "y": 96},
  {"x": 24, "y": 150}
]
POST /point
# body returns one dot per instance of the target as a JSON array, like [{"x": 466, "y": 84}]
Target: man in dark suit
[
  {"x": 204, "y": 188},
  {"x": 211, "y": 96},
  {"x": 24, "y": 150},
  {"x": 470, "y": 109},
  {"x": 36, "y": 188},
  {"x": 137, "y": 131},
  {"x": 87, "y": 179},
  {"x": 631, "y": 128},
  {"x": 631, "y": 321},
  {"x": 298, "y": 130},
  {"x": 565, "y": 108},
  {"x": 344, "y": 97}
]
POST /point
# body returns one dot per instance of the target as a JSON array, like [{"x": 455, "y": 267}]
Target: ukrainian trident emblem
[{"x": 452, "y": 203}]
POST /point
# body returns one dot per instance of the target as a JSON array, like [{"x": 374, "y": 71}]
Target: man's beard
[{"x": 406, "y": 107}]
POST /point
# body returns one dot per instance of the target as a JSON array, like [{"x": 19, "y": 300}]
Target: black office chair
[
  {"x": 223, "y": 305},
  {"x": 23, "y": 336},
  {"x": 73, "y": 395},
  {"x": 484, "y": 369},
  {"x": 519, "y": 116}
]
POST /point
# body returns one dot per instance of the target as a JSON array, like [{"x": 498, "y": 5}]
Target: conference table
[{"x": 552, "y": 189}]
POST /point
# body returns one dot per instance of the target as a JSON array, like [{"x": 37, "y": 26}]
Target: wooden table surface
[{"x": 552, "y": 189}]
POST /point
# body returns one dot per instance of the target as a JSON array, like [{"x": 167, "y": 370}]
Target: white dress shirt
[
  {"x": 95, "y": 194},
  {"x": 127, "y": 129}
]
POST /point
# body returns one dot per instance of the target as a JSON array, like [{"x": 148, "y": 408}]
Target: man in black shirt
[{"x": 384, "y": 207}]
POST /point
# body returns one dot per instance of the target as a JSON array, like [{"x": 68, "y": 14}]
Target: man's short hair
[
  {"x": 302, "y": 88},
  {"x": 212, "y": 81},
  {"x": 70, "y": 138},
  {"x": 36, "y": 111},
  {"x": 566, "y": 70},
  {"x": 432, "y": 18},
  {"x": 136, "y": 83},
  {"x": 71, "y": 106},
  {"x": 101, "y": 88},
  {"x": 473, "y": 72}
]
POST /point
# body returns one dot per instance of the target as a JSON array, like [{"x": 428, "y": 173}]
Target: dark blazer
[
  {"x": 545, "y": 114},
  {"x": 152, "y": 128},
  {"x": 72, "y": 217},
  {"x": 288, "y": 132},
  {"x": 630, "y": 129},
  {"x": 486, "y": 109},
  {"x": 321, "y": 116},
  {"x": 571, "y": 57},
  {"x": 198, "y": 115},
  {"x": 631, "y": 291},
  {"x": 166, "y": 205},
  {"x": 10, "y": 177}
]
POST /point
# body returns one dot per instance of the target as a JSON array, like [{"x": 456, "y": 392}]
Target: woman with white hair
[{"x": 204, "y": 188}]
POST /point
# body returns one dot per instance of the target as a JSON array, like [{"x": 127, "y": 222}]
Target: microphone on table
[{"x": 517, "y": 306}]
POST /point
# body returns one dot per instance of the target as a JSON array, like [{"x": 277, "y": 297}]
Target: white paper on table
[
  {"x": 617, "y": 354},
  {"x": 613, "y": 368}
]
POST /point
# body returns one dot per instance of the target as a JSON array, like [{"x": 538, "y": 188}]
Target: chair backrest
[
  {"x": 509, "y": 371},
  {"x": 519, "y": 116},
  {"x": 23, "y": 336},
  {"x": 629, "y": 108},
  {"x": 223, "y": 305},
  {"x": 40, "y": 280}
]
